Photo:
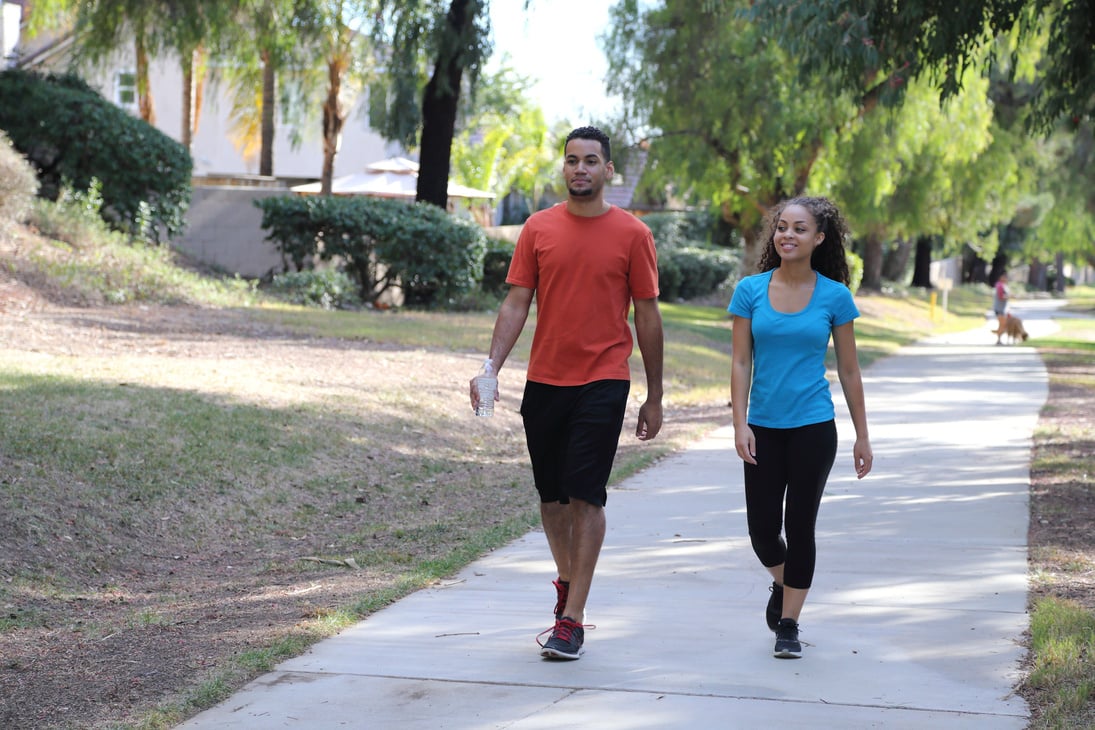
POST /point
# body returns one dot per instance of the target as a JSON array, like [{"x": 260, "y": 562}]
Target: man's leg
[
  {"x": 556, "y": 520},
  {"x": 587, "y": 535}
]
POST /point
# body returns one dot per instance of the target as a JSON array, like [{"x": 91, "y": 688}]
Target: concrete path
[{"x": 915, "y": 619}]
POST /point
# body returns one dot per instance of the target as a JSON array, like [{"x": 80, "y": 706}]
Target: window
[{"x": 125, "y": 89}]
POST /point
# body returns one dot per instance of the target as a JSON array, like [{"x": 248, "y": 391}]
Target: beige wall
[{"x": 224, "y": 230}]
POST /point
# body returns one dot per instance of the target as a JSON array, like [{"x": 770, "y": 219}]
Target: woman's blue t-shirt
[{"x": 789, "y": 387}]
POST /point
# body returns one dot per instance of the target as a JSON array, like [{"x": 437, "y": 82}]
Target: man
[{"x": 586, "y": 262}]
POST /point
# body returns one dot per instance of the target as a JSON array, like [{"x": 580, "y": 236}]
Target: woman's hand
[
  {"x": 864, "y": 458},
  {"x": 746, "y": 444}
]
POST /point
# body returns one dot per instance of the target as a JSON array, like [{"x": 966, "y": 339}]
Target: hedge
[
  {"x": 382, "y": 243},
  {"x": 72, "y": 135}
]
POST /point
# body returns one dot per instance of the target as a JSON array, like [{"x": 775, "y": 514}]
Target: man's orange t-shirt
[{"x": 586, "y": 271}]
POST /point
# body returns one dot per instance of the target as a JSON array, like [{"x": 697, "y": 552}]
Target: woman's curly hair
[{"x": 828, "y": 258}]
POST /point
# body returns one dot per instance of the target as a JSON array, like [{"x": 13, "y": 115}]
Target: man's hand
[{"x": 650, "y": 421}]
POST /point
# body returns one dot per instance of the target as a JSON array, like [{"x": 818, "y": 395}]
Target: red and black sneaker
[
  {"x": 566, "y": 640},
  {"x": 562, "y": 590}
]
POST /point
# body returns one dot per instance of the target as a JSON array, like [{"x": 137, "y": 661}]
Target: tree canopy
[{"x": 881, "y": 45}]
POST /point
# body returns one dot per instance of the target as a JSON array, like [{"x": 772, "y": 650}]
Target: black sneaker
[
  {"x": 775, "y": 606},
  {"x": 562, "y": 590},
  {"x": 787, "y": 644},
  {"x": 565, "y": 642}
]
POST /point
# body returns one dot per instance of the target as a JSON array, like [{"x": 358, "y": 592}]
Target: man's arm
[
  {"x": 507, "y": 328},
  {"x": 648, "y": 333}
]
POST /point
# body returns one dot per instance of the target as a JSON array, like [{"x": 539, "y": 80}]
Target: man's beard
[{"x": 587, "y": 193}]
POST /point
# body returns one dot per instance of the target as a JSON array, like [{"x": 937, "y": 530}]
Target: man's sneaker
[
  {"x": 774, "y": 611},
  {"x": 787, "y": 644},
  {"x": 565, "y": 642},
  {"x": 562, "y": 591}
]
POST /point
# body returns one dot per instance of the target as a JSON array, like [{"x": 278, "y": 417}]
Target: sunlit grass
[{"x": 1062, "y": 636}]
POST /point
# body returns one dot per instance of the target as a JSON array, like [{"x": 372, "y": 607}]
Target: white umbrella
[{"x": 396, "y": 177}]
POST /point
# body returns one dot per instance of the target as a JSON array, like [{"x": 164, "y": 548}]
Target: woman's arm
[
  {"x": 851, "y": 382},
  {"x": 741, "y": 373}
]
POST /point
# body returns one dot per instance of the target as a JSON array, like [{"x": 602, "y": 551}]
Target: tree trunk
[
  {"x": 999, "y": 266},
  {"x": 1037, "y": 278},
  {"x": 922, "y": 263},
  {"x": 872, "y": 263},
  {"x": 186, "y": 125},
  {"x": 897, "y": 260},
  {"x": 199, "y": 89},
  {"x": 1059, "y": 280},
  {"x": 439, "y": 103},
  {"x": 333, "y": 119},
  {"x": 269, "y": 89},
  {"x": 144, "y": 93}
]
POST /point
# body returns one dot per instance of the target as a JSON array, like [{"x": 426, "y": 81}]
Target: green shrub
[
  {"x": 687, "y": 273},
  {"x": 326, "y": 288},
  {"x": 496, "y": 265},
  {"x": 296, "y": 226},
  {"x": 145, "y": 174},
  {"x": 382, "y": 243},
  {"x": 18, "y": 183},
  {"x": 436, "y": 257},
  {"x": 855, "y": 270},
  {"x": 693, "y": 228}
]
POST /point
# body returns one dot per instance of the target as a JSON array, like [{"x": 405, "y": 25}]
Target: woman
[
  {"x": 1000, "y": 296},
  {"x": 784, "y": 427}
]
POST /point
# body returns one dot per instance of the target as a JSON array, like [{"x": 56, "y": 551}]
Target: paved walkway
[{"x": 915, "y": 619}]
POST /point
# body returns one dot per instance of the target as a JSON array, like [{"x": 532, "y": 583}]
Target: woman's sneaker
[
  {"x": 774, "y": 611},
  {"x": 566, "y": 640},
  {"x": 787, "y": 644}
]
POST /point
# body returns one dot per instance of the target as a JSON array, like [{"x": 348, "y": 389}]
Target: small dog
[{"x": 1014, "y": 330}]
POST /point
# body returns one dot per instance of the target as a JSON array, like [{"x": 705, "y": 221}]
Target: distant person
[
  {"x": 1000, "y": 296},
  {"x": 784, "y": 419},
  {"x": 586, "y": 262}
]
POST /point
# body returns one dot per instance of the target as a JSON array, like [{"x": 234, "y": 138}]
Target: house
[
  {"x": 223, "y": 225},
  {"x": 213, "y": 150}
]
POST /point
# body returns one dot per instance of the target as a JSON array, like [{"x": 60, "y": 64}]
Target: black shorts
[{"x": 572, "y": 434}]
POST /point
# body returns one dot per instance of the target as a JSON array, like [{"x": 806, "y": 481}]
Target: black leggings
[{"x": 791, "y": 462}]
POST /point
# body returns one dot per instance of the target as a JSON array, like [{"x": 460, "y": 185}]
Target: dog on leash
[{"x": 1013, "y": 330}]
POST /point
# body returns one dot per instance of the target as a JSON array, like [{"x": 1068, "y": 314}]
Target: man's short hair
[{"x": 594, "y": 134}]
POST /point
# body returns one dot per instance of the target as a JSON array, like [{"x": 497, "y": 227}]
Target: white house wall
[
  {"x": 10, "y": 15},
  {"x": 212, "y": 147}
]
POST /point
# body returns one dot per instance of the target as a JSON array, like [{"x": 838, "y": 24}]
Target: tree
[
  {"x": 454, "y": 34},
  {"x": 1067, "y": 228},
  {"x": 101, "y": 27},
  {"x": 503, "y": 142},
  {"x": 341, "y": 45},
  {"x": 723, "y": 106},
  {"x": 271, "y": 37},
  {"x": 882, "y": 44},
  {"x": 922, "y": 171}
]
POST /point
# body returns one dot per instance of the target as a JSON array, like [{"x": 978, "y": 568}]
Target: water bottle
[{"x": 487, "y": 382}]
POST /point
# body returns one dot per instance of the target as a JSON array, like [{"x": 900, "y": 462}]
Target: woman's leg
[
  {"x": 814, "y": 450},
  {"x": 765, "y": 485}
]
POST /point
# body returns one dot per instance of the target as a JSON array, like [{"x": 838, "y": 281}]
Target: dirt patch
[
  {"x": 148, "y": 612},
  {"x": 1062, "y": 524},
  {"x": 107, "y": 619},
  {"x": 1061, "y": 536}
]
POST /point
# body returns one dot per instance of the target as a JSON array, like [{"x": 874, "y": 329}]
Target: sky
[{"x": 555, "y": 43}]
